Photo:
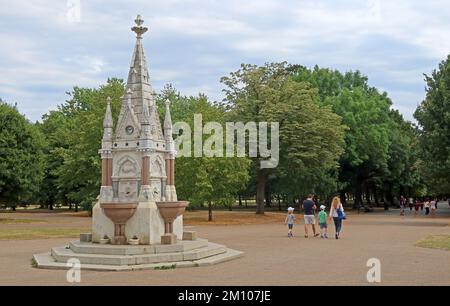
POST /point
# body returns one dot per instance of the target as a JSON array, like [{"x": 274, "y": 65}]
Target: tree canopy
[
  {"x": 433, "y": 116},
  {"x": 21, "y": 157}
]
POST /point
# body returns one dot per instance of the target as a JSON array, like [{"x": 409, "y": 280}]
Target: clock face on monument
[{"x": 129, "y": 130}]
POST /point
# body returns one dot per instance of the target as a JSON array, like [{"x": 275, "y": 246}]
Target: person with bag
[{"x": 337, "y": 214}]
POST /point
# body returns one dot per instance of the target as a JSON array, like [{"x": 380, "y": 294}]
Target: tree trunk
[
  {"x": 343, "y": 198},
  {"x": 13, "y": 208},
  {"x": 50, "y": 206},
  {"x": 245, "y": 202},
  {"x": 240, "y": 200},
  {"x": 368, "y": 195},
  {"x": 268, "y": 195},
  {"x": 76, "y": 207},
  {"x": 375, "y": 196},
  {"x": 389, "y": 197},
  {"x": 70, "y": 206},
  {"x": 279, "y": 203},
  {"x": 358, "y": 195},
  {"x": 260, "y": 192},
  {"x": 210, "y": 215}
]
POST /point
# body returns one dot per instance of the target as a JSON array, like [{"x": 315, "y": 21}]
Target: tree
[
  {"x": 204, "y": 180},
  {"x": 311, "y": 136},
  {"x": 21, "y": 157},
  {"x": 433, "y": 116},
  {"x": 379, "y": 142},
  {"x": 74, "y": 134}
]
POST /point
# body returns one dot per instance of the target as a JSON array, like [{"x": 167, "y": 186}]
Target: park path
[{"x": 273, "y": 259}]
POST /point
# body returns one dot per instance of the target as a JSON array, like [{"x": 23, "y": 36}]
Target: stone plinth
[
  {"x": 93, "y": 256},
  {"x": 189, "y": 235},
  {"x": 168, "y": 239}
]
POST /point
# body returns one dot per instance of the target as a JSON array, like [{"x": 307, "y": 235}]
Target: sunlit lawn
[
  {"x": 441, "y": 242},
  {"x": 40, "y": 233}
]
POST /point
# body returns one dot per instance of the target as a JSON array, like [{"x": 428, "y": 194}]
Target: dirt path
[{"x": 271, "y": 258}]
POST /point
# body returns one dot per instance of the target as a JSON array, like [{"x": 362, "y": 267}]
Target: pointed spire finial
[
  {"x": 138, "y": 28},
  {"x": 107, "y": 121},
  {"x": 168, "y": 117}
]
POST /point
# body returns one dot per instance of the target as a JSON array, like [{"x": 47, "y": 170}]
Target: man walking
[{"x": 309, "y": 207}]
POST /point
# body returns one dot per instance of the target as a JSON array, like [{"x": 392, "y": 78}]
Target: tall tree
[
  {"x": 311, "y": 136},
  {"x": 379, "y": 141},
  {"x": 433, "y": 116},
  {"x": 74, "y": 132},
  {"x": 21, "y": 157},
  {"x": 204, "y": 180}
]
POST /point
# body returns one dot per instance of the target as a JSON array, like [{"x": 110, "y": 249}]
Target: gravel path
[{"x": 273, "y": 259}]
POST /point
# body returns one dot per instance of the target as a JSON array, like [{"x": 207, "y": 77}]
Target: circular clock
[{"x": 129, "y": 130}]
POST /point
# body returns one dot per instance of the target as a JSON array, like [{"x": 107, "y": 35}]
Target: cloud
[{"x": 192, "y": 43}]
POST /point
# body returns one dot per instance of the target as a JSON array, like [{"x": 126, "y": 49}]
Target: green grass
[
  {"x": 166, "y": 267},
  {"x": 19, "y": 221},
  {"x": 41, "y": 233},
  {"x": 441, "y": 242}
]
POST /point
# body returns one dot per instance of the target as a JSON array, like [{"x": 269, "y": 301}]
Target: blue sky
[{"x": 45, "y": 50}]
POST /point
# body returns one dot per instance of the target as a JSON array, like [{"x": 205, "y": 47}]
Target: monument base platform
[{"x": 100, "y": 257}]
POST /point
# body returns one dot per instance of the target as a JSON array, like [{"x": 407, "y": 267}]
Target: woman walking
[
  {"x": 336, "y": 213},
  {"x": 433, "y": 207}
]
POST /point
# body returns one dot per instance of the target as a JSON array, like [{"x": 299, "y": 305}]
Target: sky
[{"x": 48, "y": 47}]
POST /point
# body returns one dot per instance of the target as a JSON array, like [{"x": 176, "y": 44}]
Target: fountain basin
[
  {"x": 119, "y": 214},
  {"x": 170, "y": 211}
]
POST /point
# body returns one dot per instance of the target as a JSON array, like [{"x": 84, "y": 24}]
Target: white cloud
[{"x": 192, "y": 43}]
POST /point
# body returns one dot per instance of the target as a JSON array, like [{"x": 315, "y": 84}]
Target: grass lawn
[
  {"x": 441, "y": 242},
  {"x": 19, "y": 221},
  {"x": 40, "y": 233}
]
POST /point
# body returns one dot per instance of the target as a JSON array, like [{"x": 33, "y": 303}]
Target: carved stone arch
[
  {"x": 127, "y": 166},
  {"x": 157, "y": 167}
]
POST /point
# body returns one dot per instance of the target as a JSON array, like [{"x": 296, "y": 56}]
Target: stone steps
[
  {"x": 63, "y": 254},
  {"x": 108, "y": 249},
  {"x": 47, "y": 261}
]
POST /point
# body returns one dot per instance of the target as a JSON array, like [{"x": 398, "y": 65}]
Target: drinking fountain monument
[{"x": 137, "y": 220}]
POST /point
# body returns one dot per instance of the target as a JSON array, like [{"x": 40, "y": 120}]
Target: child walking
[
  {"x": 323, "y": 222},
  {"x": 290, "y": 221}
]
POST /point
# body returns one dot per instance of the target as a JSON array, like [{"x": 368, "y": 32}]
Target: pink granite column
[
  {"x": 107, "y": 172},
  {"x": 168, "y": 172},
  {"x": 172, "y": 172},
  {"x": 145, "y": 173}
]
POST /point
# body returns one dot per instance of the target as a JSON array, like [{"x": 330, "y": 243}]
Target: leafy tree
[
  {"x": 21, "y": 157},
  {"x": 433, "y": 116},
  {"x": 204, "y": 180},
  {"x": 311, "y": 136},
  {"x": 379, "y": 142},
  {"x": 74, "y": 132}
]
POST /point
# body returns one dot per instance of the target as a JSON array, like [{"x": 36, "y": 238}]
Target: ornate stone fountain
[
  {"x": 137, "y": 210},
  {"x": 138, "y": 164}
]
